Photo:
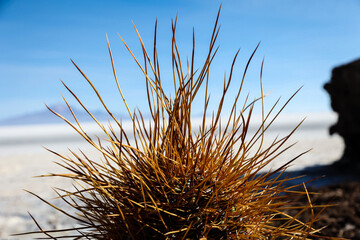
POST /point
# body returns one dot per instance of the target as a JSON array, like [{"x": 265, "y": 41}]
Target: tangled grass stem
[{"x": 175, "y": 182}]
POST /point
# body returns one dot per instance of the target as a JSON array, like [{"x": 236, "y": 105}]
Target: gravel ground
[{"x": 342, "y": 219}]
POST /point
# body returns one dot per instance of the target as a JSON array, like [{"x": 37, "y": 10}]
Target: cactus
[{"x": 176, "y": 180}]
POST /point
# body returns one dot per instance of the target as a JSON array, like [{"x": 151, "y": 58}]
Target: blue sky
[{"x": 300, "y": 40}]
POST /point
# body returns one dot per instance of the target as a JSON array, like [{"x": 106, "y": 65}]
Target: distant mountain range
[{"x": 47, "y": 117}]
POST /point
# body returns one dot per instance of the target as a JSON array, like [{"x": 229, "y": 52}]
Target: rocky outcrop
[{"x": 344, "y": 91}]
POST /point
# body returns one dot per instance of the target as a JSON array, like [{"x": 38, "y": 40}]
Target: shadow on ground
[{"x": 322, "y": 176}]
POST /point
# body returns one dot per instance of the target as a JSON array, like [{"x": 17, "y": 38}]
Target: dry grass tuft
[{"x": 176, "y": 181}]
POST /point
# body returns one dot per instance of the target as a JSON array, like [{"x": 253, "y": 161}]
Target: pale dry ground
[{"x": 20, "y": 162}]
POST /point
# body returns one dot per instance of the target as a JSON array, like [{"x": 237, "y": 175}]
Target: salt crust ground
[{"x": 22, "y": 157}]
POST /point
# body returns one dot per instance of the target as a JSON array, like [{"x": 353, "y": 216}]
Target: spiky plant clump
[{"x": 176, "y": 181}]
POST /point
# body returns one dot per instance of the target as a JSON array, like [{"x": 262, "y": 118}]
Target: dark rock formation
[{"x": 344, "y": 91}]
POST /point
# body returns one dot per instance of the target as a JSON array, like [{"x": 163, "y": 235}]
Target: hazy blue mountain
[{"x": 47, "y": 117}]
